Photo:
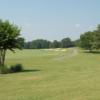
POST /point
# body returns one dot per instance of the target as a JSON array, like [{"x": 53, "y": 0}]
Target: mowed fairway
[{"x": 52, "y": 75}]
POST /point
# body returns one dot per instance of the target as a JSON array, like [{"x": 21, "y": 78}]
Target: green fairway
[{"x": 58, "y": 74}]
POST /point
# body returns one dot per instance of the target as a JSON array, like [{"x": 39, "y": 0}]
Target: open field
[{"x": 52, "y": 75}]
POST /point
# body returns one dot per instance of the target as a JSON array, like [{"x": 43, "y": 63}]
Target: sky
[{"x": 51, "y": 19}]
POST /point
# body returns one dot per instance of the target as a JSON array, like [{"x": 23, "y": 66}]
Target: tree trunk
[
  {"x": 2, "y": 59},
  {"x": 3, "y": 69}
]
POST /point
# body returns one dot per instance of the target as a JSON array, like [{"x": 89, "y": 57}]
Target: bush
[
  {"x": 4, "y": 70},
  {"x": 16, "y": 68},
  {"x": 12, "y": 69}
]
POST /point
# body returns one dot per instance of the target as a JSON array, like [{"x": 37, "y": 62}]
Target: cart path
[{"x": 70, "y": 53}]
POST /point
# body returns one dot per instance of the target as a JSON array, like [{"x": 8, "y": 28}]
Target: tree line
[
  {"x": 89, "y": 40},
  {"x": 45, "y": 44}
]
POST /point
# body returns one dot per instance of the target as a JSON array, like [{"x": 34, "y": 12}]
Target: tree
[
  {"x": 22, "y": 42},
  {"x": 97, "y": 38},
  {"x": 77, "y": 43},
  {"x": 55, "y": 44},
  {"x": 27, "y": 45},
  {"x": 86, "y": 40},
  {"x": 9, "y": 40},
  {"x": 37, "y": 44},
  {"x": 66, "y": 43},
  {"x": 90, "y": 40}
]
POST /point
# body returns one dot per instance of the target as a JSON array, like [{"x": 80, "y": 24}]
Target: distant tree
[
  {"x": 43, "y": 44},
  {"x": 98, "y": 28},
  {"x": 21, "y": 42},
  {"x": 37, "y": 44},
  {"x": 9, "y": 40},
  {"x": 27, "y": 45},
  {"x": 66, "y": 43},
  {"x": 55, "y": 44},
  {"x": 76, "y": 43}
]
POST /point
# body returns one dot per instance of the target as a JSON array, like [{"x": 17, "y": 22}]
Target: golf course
[
  {"x": 50, "y": 50},
  {"x": 52, "y": 74}
]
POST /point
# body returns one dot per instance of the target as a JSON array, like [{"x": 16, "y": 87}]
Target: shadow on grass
[
  {"x": 92, "y": 52},
  {"x": 30, "y": 70},
  {"x": 25, "y": 71},
  {"x": 18, "y": 68}
]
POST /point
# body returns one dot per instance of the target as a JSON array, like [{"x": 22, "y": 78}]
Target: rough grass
[{"x": 71, "y": 78}]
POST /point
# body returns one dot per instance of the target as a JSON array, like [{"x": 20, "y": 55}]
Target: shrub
[
  {"x": 4, "y": 70},
  {"x": 16, "y": 68}
]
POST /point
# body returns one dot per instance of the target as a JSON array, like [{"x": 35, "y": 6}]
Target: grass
[{"x": 74, "y": 76}]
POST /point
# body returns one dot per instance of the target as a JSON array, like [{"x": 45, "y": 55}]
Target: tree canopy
[
  {"x": 66, "y": 43},
  {"x": 43, "y": 44},
  {"x": 90, "y": 40}
]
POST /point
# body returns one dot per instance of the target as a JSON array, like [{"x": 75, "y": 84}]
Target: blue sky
[{"x": 52, "y": 19}]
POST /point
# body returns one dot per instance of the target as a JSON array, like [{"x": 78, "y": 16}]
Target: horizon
[{"x": 52, "y": 19}]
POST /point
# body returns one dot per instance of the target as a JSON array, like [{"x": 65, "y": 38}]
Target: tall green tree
[
  {"x": 97, "y": 38},
  {"x": 87, "y": 40},
  {"x": 91, "y": 40},
  {"x": 9, "y": 40}
]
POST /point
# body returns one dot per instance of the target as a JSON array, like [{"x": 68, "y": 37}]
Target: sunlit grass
[{"x": 71, "y": 78}]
